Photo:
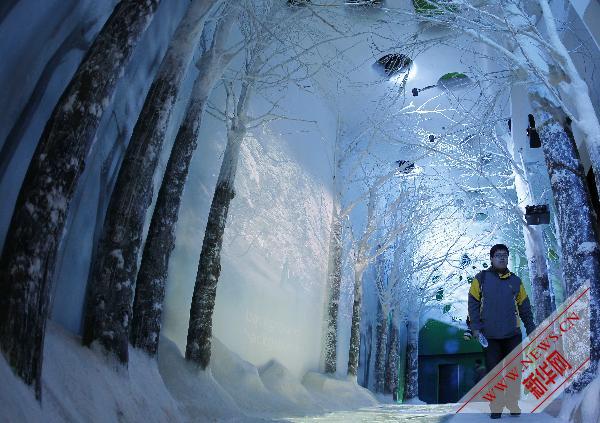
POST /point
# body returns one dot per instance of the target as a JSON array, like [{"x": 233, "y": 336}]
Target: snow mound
[
  {"x": 583, "y": 407},
  {"x": 242, "y": 381},
  {"x": 337, "y": 394},
  {"x": 86, "y": 386},
  {"x": 278, "y": 379},
  {"x": 17, "y": 399},
  {"x": 414, "y": 401},
  {"x": 196, "y": 390},
  {"x": 82, "y": 385}
]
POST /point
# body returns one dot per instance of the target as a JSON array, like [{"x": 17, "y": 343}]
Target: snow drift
[{"x": 82, "y": 385}]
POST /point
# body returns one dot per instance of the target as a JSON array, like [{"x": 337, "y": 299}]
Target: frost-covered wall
[{"x": 42, "y": 43}]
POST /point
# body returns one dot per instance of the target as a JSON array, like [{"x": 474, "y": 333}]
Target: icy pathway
[{"x": 416, "y": 414}]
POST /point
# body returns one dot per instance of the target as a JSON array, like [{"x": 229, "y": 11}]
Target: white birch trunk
[{"x": 535, "y": 249}]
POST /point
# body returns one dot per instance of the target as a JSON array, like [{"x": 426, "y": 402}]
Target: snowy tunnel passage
[{"x": 243, "y": 218}]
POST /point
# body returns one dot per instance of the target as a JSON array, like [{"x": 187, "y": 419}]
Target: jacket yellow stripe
[
  {"x": 475, "y": 291},
  {"x": 522, "y": 295}
]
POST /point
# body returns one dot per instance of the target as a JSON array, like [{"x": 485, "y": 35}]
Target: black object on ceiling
[
  {"x": 395, "y": 62},
  {"x": 537, "y": 215},
  {"x": 297, "y": 2},
  {"x": 405, "y": 166},
  {"x": 364, "y": 2},
  {"x": 534, "y": 137}
]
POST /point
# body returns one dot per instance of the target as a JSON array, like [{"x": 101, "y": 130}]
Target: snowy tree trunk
[
  {"x": 411, "y": 387},
  {"x": 538, "y": 273},
  {"x": 561, "y": 265},
  {"x": 392, "y": 362},
  {"x": 363, "y": 259},
  {"x": 535, "y": 249},
  {"x": 578, "y": 239},
  {"x": 367, "y": 349},
  {"x": 353, "y": 353},
  {"x": 334, "y": 282},
  {"x": 152, "y": 276},
  {"x": 28, "y": 258},
  {"x": 209, "y": 266},
  {"x": 110, "y": 294},
  {"x": 381, "y": 349}
]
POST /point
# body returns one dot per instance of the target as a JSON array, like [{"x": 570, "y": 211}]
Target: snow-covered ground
[
  {"x": 81, "y": 385},
  {"x": 416, "y": 414}
]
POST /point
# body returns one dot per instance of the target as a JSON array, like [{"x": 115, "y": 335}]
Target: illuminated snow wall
[{"x": 271, "y": 292}]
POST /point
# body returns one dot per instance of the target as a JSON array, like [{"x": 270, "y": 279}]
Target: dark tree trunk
[
  {"x": 29, "y": 253},
  {"x": 152, "y": 276},
  {"x": 367, "y": 340},
  {"x": 209, "y": 270},
  {"x": 392, "y": 362},
  {"x": 110, "y": 294},
  {"x": 334, "y": 282},
  {"x": 381, "y": 349},
  {"x": 355, "y": 327},
  {"x": 581, "y": 256},
  {"x": 209, "y": 265},
  {"x": 411, "y": 389}
]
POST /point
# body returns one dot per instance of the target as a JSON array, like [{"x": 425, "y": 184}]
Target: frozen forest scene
[{"x": 299, "y": 211}]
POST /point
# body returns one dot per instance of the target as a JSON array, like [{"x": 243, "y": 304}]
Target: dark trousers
[{"x": 496, "y": 351}]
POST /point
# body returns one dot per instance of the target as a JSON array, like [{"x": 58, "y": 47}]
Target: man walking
[{"x": 497, "y": 299}]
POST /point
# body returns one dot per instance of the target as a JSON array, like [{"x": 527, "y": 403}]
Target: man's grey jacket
[{"x": 496, "y": 302}]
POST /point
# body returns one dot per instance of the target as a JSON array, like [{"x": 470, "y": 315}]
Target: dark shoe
[
  {"x": 495, "y": 415},
  {"x": 518, "y": 414},
  {"x": 515, "y": 411}
]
